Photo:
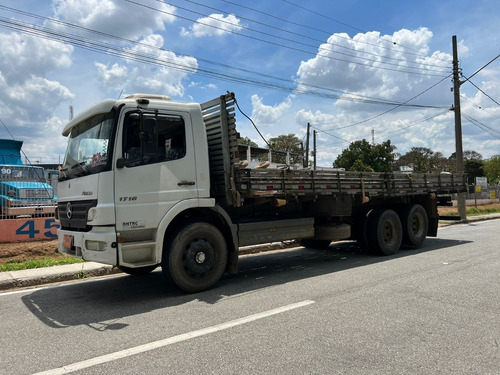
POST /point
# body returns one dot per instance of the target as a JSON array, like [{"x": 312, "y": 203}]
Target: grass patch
[
  {"x": 24, "y": 264},
  {"x": 476, "y": 211}
]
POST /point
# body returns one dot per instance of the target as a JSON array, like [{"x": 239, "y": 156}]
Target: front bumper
[{"x": 98, "y": 245}]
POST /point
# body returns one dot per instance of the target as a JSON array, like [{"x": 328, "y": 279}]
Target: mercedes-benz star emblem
[{"x": 69, "y": 210}]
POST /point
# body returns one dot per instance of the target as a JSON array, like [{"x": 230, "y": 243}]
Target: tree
[
  {"x": 245, "y": 141},
  {"x": 365, "y": 157},
  {"x": 286, "y": 143},
  {"x": 473, "y": 164},
  {"x": 424, "y": 160},
  {"x": 492, "y": 169}
]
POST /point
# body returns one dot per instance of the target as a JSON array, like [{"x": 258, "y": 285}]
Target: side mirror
[{"x": 120, "y": 163}]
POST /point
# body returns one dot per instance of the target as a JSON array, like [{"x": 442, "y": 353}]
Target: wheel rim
[
  {"x": 198, "y": 257},
  {"x": 388, "y": 232},
  {"x": 417, "y": 224}
]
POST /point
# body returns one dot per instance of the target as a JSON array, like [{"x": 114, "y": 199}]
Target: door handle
[{"x": 186, "y": 183}]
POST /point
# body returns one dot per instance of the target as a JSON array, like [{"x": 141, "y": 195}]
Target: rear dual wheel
[
  {"x": 384, "y": 230},
  {"x": 415, "y": 225}
]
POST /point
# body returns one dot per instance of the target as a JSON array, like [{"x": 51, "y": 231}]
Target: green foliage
[
  {"x": 473, "y": 168},
  {"x": 245, "y": 141},
  {"x": 365, "y": 157},
  {"x": 17, "y": 265},
  {"x": 476, "y": 211},
  {"x": 491, "y": 169},
  {"x": 287, "y": 143},
  {"x": 424, "y": 160}
]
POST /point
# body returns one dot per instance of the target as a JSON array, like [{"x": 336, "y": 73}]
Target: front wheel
[{"x": 195, "y": 257}]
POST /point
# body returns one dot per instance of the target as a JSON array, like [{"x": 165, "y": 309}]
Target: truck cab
[{"x": 131, "y": 165}]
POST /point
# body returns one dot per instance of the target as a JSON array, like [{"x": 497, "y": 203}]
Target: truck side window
[
  {"x": 171, "y": 137},
  {"x": 160, "y": 138}
]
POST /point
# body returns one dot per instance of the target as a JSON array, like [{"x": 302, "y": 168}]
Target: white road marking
[{"x": 171, "y": 340}]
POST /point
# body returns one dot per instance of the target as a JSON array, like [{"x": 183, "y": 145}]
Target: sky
[{"x": 357, "y": 69}]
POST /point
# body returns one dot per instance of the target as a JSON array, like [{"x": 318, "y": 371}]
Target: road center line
[{"x": 171, "y": 340}]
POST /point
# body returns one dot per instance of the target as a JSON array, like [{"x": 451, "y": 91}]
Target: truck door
[{"x": 155, "y": 171}]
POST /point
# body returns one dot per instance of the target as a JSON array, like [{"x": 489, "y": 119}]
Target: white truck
[{"x": 147, "y": 181}]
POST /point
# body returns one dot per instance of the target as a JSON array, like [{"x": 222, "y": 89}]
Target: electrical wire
[
  {"x": 488, "y": 96},
  {"x": 494, "y": 133},
  {"x": 330, "y": 32},
  {"x": 394, "y": 108},
  {"x": 296, "y": 49},
  {"x": 440, "y": 67},
  {"x": 343, "y": 23},
  {"x": 106, "y": 48},
  {"x": 251, "y": 121}
]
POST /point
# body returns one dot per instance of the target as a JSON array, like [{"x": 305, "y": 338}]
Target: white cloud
[
  {"x": 166, "y": 77},
  {"x": 28, "y": 98},
  {"x": 267, "y": 115},
  {"x": 23, "y": 55},
  {"x": 116, "y": 17},
  {"x": 213, "y": 25},
  {"x": 376, "y": 69}
]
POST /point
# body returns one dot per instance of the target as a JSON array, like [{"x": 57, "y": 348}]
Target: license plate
[{"x": 67, "y": 241}]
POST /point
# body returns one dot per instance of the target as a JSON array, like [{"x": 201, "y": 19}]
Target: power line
[
  {"x": 275, "y": 43},
  {"x": 494, "y": 133},
  {"x": 493, "y": 100},
  {"x": 106, "y": 48},
  {"x": 394, "y": 108},
  {"x": 330, "y": 32},
  {"x": 440, "y": 67},
  {"x": 477, "y": 71},
  {"x": 479, "y": 107},
  {"x": 340, "y": 22}
]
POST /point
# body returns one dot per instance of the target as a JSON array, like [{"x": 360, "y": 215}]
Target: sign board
[{"x": 483, "y": 182}]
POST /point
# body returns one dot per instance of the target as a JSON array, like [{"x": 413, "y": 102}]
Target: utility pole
[
  {"x": 314, "y": 152},
  {"x": 462, "y": 212},
  {"x": 306, "y": 159}
]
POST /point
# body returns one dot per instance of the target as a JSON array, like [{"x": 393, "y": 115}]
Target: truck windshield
[{"x": 88, "y": 146}]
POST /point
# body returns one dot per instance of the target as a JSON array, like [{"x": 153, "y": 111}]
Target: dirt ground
[
  {"x": 28, "y": 250},
  {"x": 39, "y": 249}
]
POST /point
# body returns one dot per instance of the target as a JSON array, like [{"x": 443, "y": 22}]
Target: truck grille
[
  {"x": 76, "y": 217},
  {"x": 35, "y": 193}
]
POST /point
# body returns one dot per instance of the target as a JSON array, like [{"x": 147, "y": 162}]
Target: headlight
[{"x": 11, "y": 193}]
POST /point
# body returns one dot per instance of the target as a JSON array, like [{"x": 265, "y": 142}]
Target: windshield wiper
[{"x": 82, "y": 166}]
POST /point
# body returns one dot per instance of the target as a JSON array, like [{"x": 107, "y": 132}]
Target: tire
[
  {"x": 361, "y": 235},
  {"x": 311, "y": 243},
  {"x": 384, "y": 232},
  {"x": 139, "y": 271},
  {"x": 195, "y": 257},
  {"x": 415, "y": 225}
]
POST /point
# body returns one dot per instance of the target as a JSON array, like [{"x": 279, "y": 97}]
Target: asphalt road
[{"x": 298, "y": 311}]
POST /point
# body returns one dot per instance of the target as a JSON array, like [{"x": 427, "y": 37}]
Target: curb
[{"x": 48, "y": 275}]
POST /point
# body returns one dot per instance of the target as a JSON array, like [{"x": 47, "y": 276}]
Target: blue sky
[{"x": 334, "y": 64}]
